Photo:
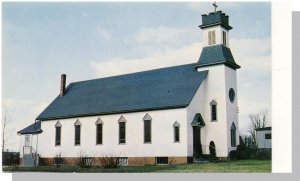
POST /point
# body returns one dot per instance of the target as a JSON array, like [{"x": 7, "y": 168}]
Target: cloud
[
  {"x": 171, "y": 57},
  {"x": 161, "y": 35},
  {"x": 254, "y": 78},
  {"x": 205, "y": 8},
  {"x": 104, "y": 35},
  {"x": 39, "y": 107}
]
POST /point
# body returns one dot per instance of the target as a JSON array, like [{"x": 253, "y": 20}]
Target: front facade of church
[{"x": 165, "y": 116}]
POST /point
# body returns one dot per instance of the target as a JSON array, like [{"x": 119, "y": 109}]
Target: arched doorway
[{"x": 212, "y": 149}]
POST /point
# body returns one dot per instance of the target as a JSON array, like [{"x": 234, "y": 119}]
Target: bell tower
[
  {"x": 215, "y": 27},
  {"x": 221, "y": 103}
]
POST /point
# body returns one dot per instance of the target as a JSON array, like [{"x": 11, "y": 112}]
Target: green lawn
[{"x": 242, "y": 166}]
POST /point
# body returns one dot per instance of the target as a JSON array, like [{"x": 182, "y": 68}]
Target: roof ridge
[{"x": 126, "y": 74}]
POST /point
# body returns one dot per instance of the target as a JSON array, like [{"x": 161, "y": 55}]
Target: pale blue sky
[{"x": 43, "y": 40}]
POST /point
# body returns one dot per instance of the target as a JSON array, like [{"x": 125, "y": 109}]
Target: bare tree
[
  {"x": 4, "y": 136},
  {"x": 258, "y": 120}
]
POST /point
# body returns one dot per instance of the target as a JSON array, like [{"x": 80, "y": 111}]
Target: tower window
[
  {"x": 213, "y": 107},
  {"x": 224, "y": 38},
  {"x": 212, "y": 37},
  {"x": 233, "y": 135}
]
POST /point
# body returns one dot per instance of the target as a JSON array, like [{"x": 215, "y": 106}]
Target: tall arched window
[
  {"x": 147, "y": 128},
  {"x": 233, "y": 135},
  {"x": 77, "y": 126},
  {"x": 99, "y": 131},
  {"x": 213, "y": 110},
  {"x": 176, "y": 127},
  {"x": 57, "y": 133},
  {"x": 122, "y": 130}
]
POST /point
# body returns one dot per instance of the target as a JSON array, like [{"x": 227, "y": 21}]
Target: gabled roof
[
  {"x": 198, "y": 120},
  {"x": 217, "y": 54},
  {"x": 165, "y": 88},
  {"x": 34, "y": 128}
]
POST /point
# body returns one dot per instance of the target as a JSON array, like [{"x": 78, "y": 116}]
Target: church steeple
[{"x": 215, "y": 26}]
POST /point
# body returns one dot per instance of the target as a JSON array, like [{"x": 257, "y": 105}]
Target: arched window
[
  {"x": 147, "y": 128},
  {"x": 57, "y": 133},
  {"x": 99, "y": 131},
  {"x": 122, "y": 130},
  {"x": 213, "y": 110},
  {"x": 233, "y": 135},
  {"x": 176, "y": 127},
  {"x": 77, "y": 126}
]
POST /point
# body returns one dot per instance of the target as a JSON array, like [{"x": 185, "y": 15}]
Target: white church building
[{"x": 170, "y": 115}]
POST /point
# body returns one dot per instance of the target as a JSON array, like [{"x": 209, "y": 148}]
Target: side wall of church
[{"x": 162, "y": 136}]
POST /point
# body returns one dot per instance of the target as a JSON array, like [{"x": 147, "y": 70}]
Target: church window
[
  {"x": 213, "y": 107},
  {"x": 176, "y": 126},
  {"x": 212, "y": 37},
  {"x": 147, "y": 128},
  {"x": 99, "y": 131},
  {"x": 233, "y": 135},
  {"x": 122, "y": 130},
  {"x": 57, "y": 134},
  {"x": 77, "y": 132},
  {"x": 224, "y": 38}
]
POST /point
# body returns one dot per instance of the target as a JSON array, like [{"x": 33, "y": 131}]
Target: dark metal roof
[
  {"x": 217, "y": 54},
  {"x": 214, "y": 19},
  {"x": 165, "y": 88},
  {"x": 263, "y": 129},
  {"x": 34, "y": 128},
  {"x": 198, "y": 120}
]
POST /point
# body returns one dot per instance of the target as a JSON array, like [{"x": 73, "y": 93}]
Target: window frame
[
  {"x": 97, "y": 123},
  {"x": 233, "y": 135},
  {"x": 147, "y": 137},
  {"x": 268, "y": 136},
  {"x": 57, "y": 142},
  {"x": 99, "y": 140},
  {"x": 57, "y": 138},
  {"x": 224, "y": 37},
  {"x": 176, "y": 125},
  {"x": 213, "y": 112},
  {"x": 122, "y": 121},
  {"x": 162, "y": 160},
  {"x": 211, "y": 37},
  {"x": 77, "y": 125},
  {"x": 123, "y": 161}
]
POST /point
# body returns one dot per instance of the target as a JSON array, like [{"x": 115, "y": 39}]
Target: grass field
[{"x": 242, "y": 166}]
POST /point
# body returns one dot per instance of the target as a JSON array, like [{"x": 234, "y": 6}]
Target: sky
[{"x": 40, "y": 41}]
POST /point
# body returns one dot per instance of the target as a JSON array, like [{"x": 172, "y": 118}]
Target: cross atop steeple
[{"x": 215, "y": 6}]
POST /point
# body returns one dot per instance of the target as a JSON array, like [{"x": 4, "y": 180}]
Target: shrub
[
  {"x": 86, "y": 162},
  {"x": 58, "y": 160},
  {"x": 233, "y": 155},
  {"x": 264, "y": 155},
  {"x": 10, "y": 158},
  {"x": 109, "y": 161}
]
